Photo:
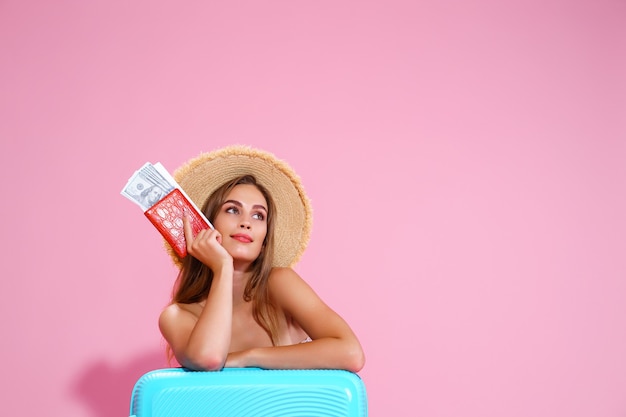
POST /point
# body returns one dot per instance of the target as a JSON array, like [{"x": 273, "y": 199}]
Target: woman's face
[{"x": 242, "y": 221}]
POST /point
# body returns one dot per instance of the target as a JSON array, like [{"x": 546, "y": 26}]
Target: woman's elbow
[
  {"x": 204, "y": 362},
  {"x": 355, "y": 360}
]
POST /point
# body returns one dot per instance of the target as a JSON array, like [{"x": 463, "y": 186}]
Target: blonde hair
[{"x": 194, "y": 280}]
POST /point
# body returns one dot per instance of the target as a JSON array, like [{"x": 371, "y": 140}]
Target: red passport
[{"x": 167, "y": 216}]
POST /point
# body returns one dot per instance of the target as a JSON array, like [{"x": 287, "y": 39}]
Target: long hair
[{"x": 194, "y": 280}]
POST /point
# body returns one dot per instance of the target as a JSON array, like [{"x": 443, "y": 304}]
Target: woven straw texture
[{"x": 202, "y": 175}]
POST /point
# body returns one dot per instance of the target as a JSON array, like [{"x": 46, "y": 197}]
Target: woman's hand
[
  {"x": 206, "y": 247},
  {"x": 236, "y": 360},
  {"x": 201, "y": 342}
]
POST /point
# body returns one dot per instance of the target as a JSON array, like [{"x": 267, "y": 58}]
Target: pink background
[{"x": 466, "y": 161}]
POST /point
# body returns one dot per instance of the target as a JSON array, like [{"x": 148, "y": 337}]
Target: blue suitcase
[{"x": 234, "y": 392}]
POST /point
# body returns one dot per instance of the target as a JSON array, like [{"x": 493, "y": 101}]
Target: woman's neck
[{"x": 241, "y": 276}]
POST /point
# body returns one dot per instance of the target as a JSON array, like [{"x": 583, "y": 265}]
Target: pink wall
[{"x": 465, "y": 159}]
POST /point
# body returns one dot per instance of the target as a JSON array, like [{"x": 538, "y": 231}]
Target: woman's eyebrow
[
  {"x": 238, "y": 204},
  {"x": 235, "y": 202},
  {"x": 259, "y": 206}
]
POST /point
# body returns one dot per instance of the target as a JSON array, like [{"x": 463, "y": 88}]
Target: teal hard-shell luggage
[{"x": 234, "y": 392}]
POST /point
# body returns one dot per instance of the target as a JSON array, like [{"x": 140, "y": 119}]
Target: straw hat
[{"x": 201, "y": 176}]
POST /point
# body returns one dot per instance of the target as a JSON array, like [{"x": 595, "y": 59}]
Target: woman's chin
[{"x": 241, "y": 256}]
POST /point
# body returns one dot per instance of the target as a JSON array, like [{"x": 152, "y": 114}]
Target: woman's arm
[
  {"x": 202, "y": 343},
  {"x": 334, "y": 345}
]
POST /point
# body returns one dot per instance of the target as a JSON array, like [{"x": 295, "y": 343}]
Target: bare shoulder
[
  {"x": 175, "y": 314},
  {"x": 281, "y": 275},
  {"x": 284, "y": 280},
  {"x": 290, "y": 290}
]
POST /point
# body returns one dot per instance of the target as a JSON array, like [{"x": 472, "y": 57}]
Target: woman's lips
[{"x": 242, "y": 238}]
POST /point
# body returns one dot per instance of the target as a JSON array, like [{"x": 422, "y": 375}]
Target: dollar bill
[{"x": 148, "y": 185}]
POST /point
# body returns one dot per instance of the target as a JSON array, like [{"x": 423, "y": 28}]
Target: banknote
[
  {"x": 148, "y": 185},
  {"x": 165, "y": 204}
]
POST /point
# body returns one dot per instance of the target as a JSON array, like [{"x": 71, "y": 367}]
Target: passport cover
[{"x": 167, "y": 216}]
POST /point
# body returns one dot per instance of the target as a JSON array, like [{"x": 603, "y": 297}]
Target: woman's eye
[
  {"x": 258, "y": 216},
  {"x": 232, "y": 210}
]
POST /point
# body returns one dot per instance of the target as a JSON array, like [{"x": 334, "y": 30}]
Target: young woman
[{"x": 237, "y": 301}]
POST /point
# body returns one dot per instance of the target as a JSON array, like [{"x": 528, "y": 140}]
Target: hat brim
[{"x": 201, "y": 176}]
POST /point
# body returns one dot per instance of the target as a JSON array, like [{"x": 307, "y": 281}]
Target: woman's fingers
[
  {"x": 188, "y": 232},
  {"x": 191, "y": 240},
  {"x": 206, "y": 246}
]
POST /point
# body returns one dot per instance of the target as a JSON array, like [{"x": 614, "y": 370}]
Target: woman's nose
[{"x": 245, "y": 225}]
